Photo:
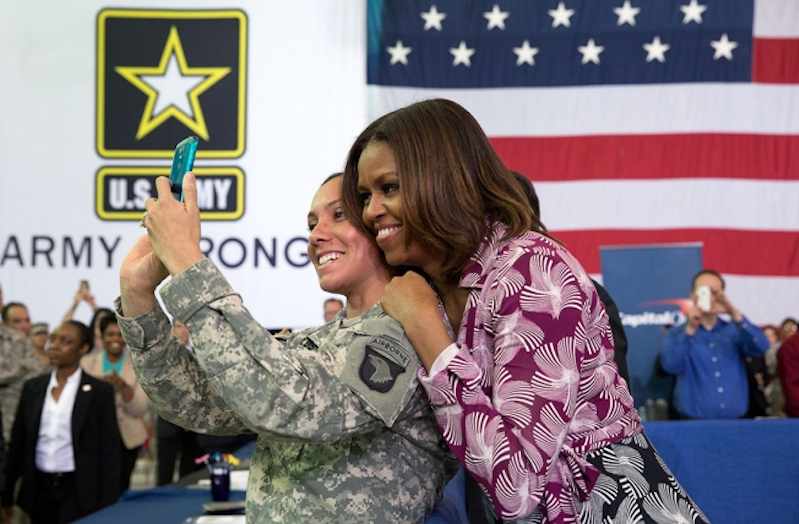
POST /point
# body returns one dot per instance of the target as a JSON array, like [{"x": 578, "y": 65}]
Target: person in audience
[
  {"x": 332, "y": 306},
  {"x": 773, "y": 336},
  {"x": 113, "y": 365},
  {"x": 344, "y": 431},
  {"x": 758, "y": 379},
  {"x": 706, "y": 354},
  {"x": 18, "y": 363},
  {"x": 174, "y": 442},
  {"x": 64, "y": 443},
  {"x": 520, "y": 368},
  {"x": 788, "y": 327},
  {"x": 94, "y": 325},
  {"x": 98, "y": 313},
  {"x": 15, "y": 315},
  {"x": 81, "y": 295},
  {"x": 788, "y": 370},
  {"x": 40, "y": 334},
  {"x": 773, "y": 390}
]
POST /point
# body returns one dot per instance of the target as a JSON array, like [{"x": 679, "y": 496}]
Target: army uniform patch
[{"x": 380, "y": 367}]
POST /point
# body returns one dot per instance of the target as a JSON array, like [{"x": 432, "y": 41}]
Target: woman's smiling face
[
  {"x": 379, "y": 191},
  {"x": 341, "y": 254}
]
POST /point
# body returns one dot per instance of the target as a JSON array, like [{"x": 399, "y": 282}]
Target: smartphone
[
  {"x": 182, "y": 163},
  {"x": 703, "y": 298},
  {"x": 84, "y": 285}
]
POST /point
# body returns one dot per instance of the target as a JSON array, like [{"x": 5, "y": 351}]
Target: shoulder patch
[
  {"x": 383, "y": 361},
  {"x": 381, "y": 370}
]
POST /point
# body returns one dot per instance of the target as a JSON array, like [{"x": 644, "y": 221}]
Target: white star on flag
[
  {"x": 399, "y": 53},
  {"x": 626, "y": 13},
  {"x": 173, "y": 88},
  {"x": 693, "y": 12},
  {"x": 433, "y": 18},
  {"x": 462, "y": 54},
  {"x": 590, "y": 51},
  {"x": 656, "y": 50},
  {"x": 496, "y": 18},
  {"x": 525, "y": 54},
  {"x": 723, "y": 47},
  {"x": 561, "y": 15}
]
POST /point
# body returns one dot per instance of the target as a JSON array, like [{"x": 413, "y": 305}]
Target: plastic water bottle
[{"x": 219, "y": 471}]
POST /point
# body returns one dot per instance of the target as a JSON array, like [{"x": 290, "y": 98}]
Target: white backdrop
[
  {"x": 306, "y": 93},
  {"x": 306, "y": 101}
]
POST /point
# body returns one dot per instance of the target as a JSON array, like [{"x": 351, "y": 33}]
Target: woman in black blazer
[{"x": 65, "y": 439}]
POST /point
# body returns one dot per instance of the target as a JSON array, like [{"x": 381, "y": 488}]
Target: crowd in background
[
  {"x": 26, "y": 348},
  {"x": 37, "y": 429}
]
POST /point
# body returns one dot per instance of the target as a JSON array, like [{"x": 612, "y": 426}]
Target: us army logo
[
  {"x": 382, "y": 363},
  {"x": 163, "y": 75},
  {"x": 121, "y": 191}
]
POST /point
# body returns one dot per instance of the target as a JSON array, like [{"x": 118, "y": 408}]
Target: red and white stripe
[{"x": 665, "y": 163}]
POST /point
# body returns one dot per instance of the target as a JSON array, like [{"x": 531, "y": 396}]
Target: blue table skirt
[
  {"x": 738, "y": 471},
  {"x": 164, "y": 505}
]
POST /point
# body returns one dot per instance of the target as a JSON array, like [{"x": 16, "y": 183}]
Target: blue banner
[{"x": 650, "y": 285}]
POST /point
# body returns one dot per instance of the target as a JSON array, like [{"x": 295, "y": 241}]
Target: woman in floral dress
[{"x": 520, "y": 371}]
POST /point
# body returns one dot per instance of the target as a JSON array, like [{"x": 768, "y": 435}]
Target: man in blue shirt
[{"x": 707, "y": 353}]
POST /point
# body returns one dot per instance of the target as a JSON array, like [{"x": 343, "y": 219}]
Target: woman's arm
[
  {"x": 320, "y": 385},
  {"x": 171, "y": 377}
]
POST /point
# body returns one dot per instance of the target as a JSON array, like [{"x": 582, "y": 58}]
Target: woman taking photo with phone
[
  {"x": 345, "y": 433},
  {"x": 520, "y": 370}
]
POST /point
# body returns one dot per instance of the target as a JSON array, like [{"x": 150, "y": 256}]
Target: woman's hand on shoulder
[
  {"x": 411, "y": 301},
  {"x": 408, "y": 297}
]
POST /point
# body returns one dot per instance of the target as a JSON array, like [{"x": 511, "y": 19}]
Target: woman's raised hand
[{"x": 174, "y": 227}]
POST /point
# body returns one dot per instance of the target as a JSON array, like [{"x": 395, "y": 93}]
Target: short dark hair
[
  {"x": 8, "y": 307},
  {"x": 707, "y": 271},
  {"x": 331, "y": 299},
  {"x": 788, "y": 320},
  {"x": 328, "y": 178},
  {"x": 84, "y": 332},
  {"x": 97, "y": 313},
  {"x": 107, "y": 321}
]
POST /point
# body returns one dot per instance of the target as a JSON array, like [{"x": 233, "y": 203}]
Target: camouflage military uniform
[
  {"x": 18, "y": 363},
  {"x": 345, "y": 433}
]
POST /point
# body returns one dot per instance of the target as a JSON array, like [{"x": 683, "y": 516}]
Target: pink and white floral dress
[{"x": 530, "y": 388}]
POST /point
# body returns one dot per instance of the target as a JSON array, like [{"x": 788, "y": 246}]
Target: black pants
[
  {"x": 128, "y": 462},
  {"x": 56, "y": 499},
  {"x": 170, "y": 444}
]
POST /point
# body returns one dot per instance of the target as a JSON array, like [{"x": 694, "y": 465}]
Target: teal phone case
[{"x": 182, "y": 163}]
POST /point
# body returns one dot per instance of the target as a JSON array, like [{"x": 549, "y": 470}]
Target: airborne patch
[
  {"x": 381, "y": 369},
  {"x": 381, "y": 365}
]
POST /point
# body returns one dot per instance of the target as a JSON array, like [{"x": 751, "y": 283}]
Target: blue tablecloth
[
  {"x": 739, "y": 471},
  {"x": 164, "y": 505}
]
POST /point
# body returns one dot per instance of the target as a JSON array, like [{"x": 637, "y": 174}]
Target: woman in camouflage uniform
[{"x": 344, "y": 430}]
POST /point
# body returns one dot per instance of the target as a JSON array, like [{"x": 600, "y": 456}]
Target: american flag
[{"x": 639, "y": 121}]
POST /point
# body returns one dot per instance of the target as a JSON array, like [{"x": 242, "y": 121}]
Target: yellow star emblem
[{"x": 173, "y": 71}]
